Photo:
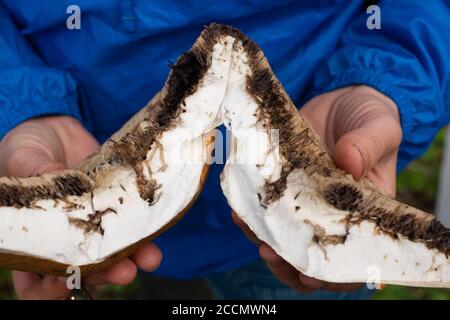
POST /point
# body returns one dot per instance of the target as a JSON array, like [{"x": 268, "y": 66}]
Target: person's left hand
[
  {"x": 49, "y": 144},
  {"x": 361, "y": 127}
]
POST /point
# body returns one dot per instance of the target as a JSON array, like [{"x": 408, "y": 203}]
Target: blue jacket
[{"x": 106, "y": 71}]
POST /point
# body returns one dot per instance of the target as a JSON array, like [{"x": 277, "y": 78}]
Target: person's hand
[
  {"x": 49, "y": 144},
  {"x": 361, "y": 127}
]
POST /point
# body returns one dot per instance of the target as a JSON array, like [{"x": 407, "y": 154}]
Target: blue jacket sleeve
[
  {"x": 29, "y": 88},
  {"x": 408, "y": 59}
]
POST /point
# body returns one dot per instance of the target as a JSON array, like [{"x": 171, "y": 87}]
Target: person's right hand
[
  {"x": 361, "y": 127},
  {"x": 49, "y": 144}
]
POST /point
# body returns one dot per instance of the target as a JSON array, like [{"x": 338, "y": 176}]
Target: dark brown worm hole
[
  {"x": 16, "y": 195},
  {"x": 343, "y": 197},
  {"x": 134, "y": 146},
  {"x": 431, "y": 232}
]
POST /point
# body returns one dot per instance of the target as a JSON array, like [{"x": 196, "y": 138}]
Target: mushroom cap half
[
  {"x": 279, "y": 178},
  {"x": 140, "y": 182}
]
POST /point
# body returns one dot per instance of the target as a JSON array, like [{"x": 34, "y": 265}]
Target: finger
[
  {"x": 245, "y": 228},
  {"x": 122, "y": 273},
  {"x": 342, "y": 287},
  {"x": 287, "y": 274},
  {"x": 148, "y": 257},
  {"x": 382, "y": 175},
  {"x": 27, "y": 148},
  {"x": 330, "y": 286},
  {"x": 69, "y": 130},
  {"x": 359, "y": 150},
  {"x": 47, "y": 167},
  {"x": 37, "y": 143},
  {"x": 311, "y": 282},
  {"x": 29, "y": 162},
  {"x": 31, "y": 286}
]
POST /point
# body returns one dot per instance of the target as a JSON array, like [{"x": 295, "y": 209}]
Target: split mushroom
[{"x": 279, "y": 179}]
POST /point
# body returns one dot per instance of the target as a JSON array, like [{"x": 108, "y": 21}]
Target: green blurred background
[{"x": 417, "y": 185}]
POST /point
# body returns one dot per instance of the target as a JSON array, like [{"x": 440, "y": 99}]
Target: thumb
[
  {"x": 359, "y": 150},
  {"x": 31, "y": 149},
  {"x": 30, "y": 162}
]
